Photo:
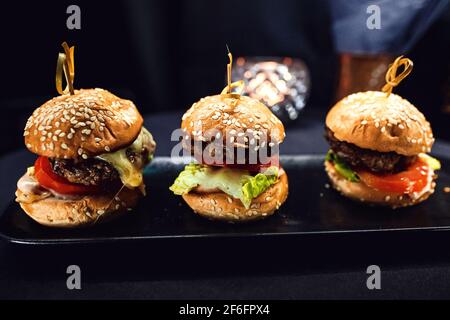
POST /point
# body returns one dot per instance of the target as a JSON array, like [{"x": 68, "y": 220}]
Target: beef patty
[
  {"x": 379, "y": 162},
  {"x": 89, "y": 172}
]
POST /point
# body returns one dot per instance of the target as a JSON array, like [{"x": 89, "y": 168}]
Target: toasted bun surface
[
  {"x": 220, "y": 206},
  {"x": 374, "y": 121},
  {"x": 86, "y": 124},
  {"x": 217, "y": 112},
  {"x": 86, "y": 211},
  {"x": 361, "y": 192}
]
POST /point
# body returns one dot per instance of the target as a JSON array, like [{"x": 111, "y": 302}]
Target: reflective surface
[{"x": 311, "y": 208}]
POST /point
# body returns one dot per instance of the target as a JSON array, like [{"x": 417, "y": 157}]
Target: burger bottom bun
[
  {"x": 220, "y": 206},
  {"x": 363, "y": 193},
  {"x": 85, "y": 211}
]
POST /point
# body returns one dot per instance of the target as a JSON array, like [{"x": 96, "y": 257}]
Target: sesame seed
[
  {"x": 64, "y": 146},
  {"x": 84, "y": 156},
  {"x": 387, "y": 198},
  {"x": 107, "y": 149},
  {"x": 364, "y": 122}
]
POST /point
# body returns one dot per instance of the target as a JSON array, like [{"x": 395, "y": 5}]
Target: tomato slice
[
  {"x": 257, "y": 167},
  {"x": 413, "y": 179},
  {"x": 48, "y": 179}
]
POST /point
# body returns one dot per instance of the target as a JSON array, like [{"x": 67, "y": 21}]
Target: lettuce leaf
[
  {"x": 341, "y": 167},
  {"x": 188, "y": 179},
  {"x": 258, "y": 184},
  {"x": 236, "y": 183}
]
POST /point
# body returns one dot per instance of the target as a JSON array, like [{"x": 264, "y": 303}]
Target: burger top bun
[
  {"x": 86, "y": 124},
  {"x": 373, "y": 120},
  {"x": 224, "y": 114}
]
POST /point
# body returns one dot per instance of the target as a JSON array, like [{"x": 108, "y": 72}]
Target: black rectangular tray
[{"x": 311, "y": 208}]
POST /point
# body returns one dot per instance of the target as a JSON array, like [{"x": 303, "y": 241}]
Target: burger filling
[
  {"x": 69, "y": 178},
  {"x": 238, "y": 183},
  {"x": 90, "y": 172},
  {"x": 378, "y": 162},
  {"x": 385, "y": 171}
]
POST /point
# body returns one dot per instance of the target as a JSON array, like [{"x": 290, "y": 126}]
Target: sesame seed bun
[
  {"x": 218, "y": 112},
  {"x": 372, "y": 120},
  {"x": 363, "y": 193},
  {"x": 220, "y": 206},
  {"x": 85, "y": 211},
  {"x": 86, "y": 124}
]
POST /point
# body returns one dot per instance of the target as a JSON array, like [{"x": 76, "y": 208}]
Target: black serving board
[{"x": 311, "y": 208}]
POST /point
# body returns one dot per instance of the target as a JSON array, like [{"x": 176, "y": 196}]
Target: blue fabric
[{"x": 403, "y": 22}]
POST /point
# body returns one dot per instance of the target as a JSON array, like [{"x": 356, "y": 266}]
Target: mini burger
[
  {"x": 378, "y": 150},
  {"x": 91, "y": 149},
  {"x": 237, "y": 176}
]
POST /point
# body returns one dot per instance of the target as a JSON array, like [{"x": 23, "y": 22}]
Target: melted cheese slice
[{"x": 130, "y": 175}]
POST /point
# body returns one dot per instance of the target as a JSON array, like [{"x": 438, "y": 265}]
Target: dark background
[{"x": 165, "y": 55}]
